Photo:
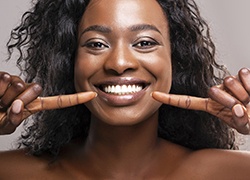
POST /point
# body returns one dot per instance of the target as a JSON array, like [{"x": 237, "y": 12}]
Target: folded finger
[
  {"x": 237, "y": 90},
  {"x": 12, "y": 118},
  {"x": 222, "y": 97},
  {"x": 15, "y": 88},
  {"x": 5, "y": 79},
  {"x": 241, "y": 119},
  {"x": 15, "y": 113},
  {"x": 244, "y": 76},
  {"x": 31, "y": 92}
]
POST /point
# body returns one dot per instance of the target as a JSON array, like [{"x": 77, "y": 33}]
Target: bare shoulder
[
  {"x": 18, "y": 164},
  {"x": 217, "y": 164},
  {"x": 11, "y": 159}
]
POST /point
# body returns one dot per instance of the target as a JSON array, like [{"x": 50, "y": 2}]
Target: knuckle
[
  {"x": 18, "y": 86},
  {"x": 5, "y": 77},
  {"x": 213, "y": 91},
  {"x": 244, "y": 75},
  {"x": 244, "y": 72},
  {"x": 32, "y": 92},
  {"x": 37, "y": 88},
  {"x": 229, "y": 81}
]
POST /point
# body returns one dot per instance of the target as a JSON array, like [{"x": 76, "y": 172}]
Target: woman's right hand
[
  {"x": 19, "y": 100},
  {"x": 15, "y": 94}
]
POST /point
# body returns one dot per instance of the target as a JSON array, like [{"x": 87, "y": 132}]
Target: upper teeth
[{"x": 122, "y": 89}]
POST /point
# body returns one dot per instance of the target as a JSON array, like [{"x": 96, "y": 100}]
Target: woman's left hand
[{"x": 229, "y": 101}]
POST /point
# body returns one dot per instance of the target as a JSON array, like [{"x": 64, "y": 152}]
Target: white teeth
[{"x": 122, "y": 89}]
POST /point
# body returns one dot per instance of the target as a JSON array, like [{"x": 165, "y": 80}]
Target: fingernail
[
  {"x": 238, "y": 110},
  {"x": 17, "y": 106}
]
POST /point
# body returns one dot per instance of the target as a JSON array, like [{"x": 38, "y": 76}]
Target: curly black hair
[{"x": 46, "y": 41}]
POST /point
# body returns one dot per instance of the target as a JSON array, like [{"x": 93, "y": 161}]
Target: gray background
[{"x": 229, "y": 22}]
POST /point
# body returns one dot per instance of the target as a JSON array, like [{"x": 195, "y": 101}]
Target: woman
[{"x": 124, "y": 52}]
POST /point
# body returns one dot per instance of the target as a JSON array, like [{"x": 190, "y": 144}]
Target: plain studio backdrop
[{"x": 228, "y": 20}]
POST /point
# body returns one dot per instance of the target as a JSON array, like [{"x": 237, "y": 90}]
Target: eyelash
[
  {"x": 95, "y": 45},
  {"x": 144, "y": 44}
]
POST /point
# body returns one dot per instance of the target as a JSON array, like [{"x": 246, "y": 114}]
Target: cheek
[
  {"x": 166, "y": 74},
  {"x": 161, "y": 69},
  {"x": 165, "y": 78},
  {"x": 79, "y": 76},
  {"x": 164, "y": 68},
  {"x": 84, "y": 68}
]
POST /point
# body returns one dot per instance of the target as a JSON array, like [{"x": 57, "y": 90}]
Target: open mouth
[{"x": 122, "y": 89}]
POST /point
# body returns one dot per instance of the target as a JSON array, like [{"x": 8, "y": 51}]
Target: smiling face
[{"x": 124, "y": 55}]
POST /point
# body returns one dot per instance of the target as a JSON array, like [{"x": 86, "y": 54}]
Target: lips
[{"x": 121, "y": 92}]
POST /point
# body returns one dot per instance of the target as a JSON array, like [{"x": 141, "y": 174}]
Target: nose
[{"x": 120, "y": 60}]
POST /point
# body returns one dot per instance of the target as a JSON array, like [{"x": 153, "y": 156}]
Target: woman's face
[{"x": 124, "y": 55}]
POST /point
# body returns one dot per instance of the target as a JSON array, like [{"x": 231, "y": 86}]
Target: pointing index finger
[
  {"x": 58, "y": 102},
  {"x": 182, "y": 101}
]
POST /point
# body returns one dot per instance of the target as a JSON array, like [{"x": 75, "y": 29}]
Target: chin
[{"x": 126, "y": 117}]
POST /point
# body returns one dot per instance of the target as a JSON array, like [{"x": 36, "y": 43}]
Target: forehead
[{"x": 124, "y": 13}]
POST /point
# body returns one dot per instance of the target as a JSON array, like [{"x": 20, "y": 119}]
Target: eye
[
  {"x": 145, "y": 44},
  {"x": 95, "y": 45}
]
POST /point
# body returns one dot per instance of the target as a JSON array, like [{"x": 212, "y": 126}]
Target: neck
[{"x": 125, "y": 147}]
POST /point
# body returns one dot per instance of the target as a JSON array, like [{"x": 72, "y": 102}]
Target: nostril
[
  {"x": 120, "y": 61},
  {"x": 119, "y": 71}
]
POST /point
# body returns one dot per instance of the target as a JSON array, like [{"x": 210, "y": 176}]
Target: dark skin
[
  {"x": 128, "y": 147},
  {"x": 228, "y": 101},
  {"x": 20, "y": 100}
]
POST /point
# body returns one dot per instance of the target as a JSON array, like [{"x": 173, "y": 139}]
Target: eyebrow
[
  {"x": 142, "y": 27},
  {"x": 98, "y": 28},
  {"x": 105, "y": 29}
]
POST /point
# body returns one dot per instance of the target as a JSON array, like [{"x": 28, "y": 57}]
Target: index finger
[
  {"x": 58, "y": 102},
  {"x": 182, "y": 101}
]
